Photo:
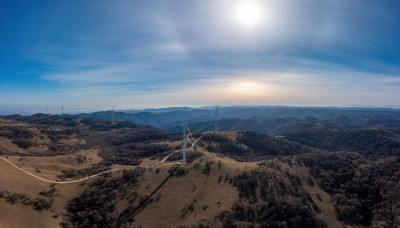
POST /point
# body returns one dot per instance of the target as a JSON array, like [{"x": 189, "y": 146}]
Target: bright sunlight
[
  {"x": 248, "y": 13},
  {"x": 247, "y": 89}
]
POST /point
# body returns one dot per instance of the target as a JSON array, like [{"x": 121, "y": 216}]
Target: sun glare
[
  {"x": 248, "y": 13},
  {"x": 247, "y": 88}
]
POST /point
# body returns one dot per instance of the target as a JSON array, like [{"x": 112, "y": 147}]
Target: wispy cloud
[{"x": 100, "y": 75}]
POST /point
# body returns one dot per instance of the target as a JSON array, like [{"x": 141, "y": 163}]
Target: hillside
[
  {"x": 232, "y": 179},
  {"x": 372, "y": 143}
]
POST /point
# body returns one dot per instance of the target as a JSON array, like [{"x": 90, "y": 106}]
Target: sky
[{"x": 96, "y": 55}]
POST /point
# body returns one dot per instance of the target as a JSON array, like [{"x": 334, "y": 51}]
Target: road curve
[
  {"x": 58, "y": 182},
  {"x": 86, "y": 178}
]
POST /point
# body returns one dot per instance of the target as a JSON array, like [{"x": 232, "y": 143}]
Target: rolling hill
[{"x": 322, "y": 176}]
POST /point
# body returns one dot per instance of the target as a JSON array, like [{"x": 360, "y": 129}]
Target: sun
[
  {"x": 248, "y": 13},
  {"x": 246, "y": 88}
]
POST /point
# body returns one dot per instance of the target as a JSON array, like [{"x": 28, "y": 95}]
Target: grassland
[{"x": 216, "y": 188}]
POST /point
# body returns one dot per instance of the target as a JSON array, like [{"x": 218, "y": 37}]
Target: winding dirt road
[
  {"x": 89, "y": 177},
  {"x": 57, "y": 182}
]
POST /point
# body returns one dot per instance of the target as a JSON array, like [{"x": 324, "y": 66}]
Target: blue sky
[{"x": 94, "y": 55}]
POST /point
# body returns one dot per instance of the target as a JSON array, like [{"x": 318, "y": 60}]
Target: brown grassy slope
[
  {"x": 188, "y": 200},
  {"x": 196, "y": 198},
  {"x": 49, "y": 167},
  {"x": 14, "y": 181},
  {"x": 15, "y": 215},
  {"x": 20, "y": 215},
  {"x": 173, "y": 204},
  {"x": 321, "y": 198},
  {"x": 35, "y": 140}
]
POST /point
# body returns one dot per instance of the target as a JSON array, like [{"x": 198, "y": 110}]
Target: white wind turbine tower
[
  {"x": 184, "y": 144},
  {"x": 190, "y": 137},
  {"x": 185, "y": 128},
  {"x": 216, "y": 119},
  {"x": 62, "y": 109},
  {"x": 112, "y": 115}
]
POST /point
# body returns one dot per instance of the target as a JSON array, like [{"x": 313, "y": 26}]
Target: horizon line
[{"x": 143, "y": 109}]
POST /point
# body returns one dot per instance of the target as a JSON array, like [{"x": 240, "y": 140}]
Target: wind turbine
[
  {"x": 62, "y": 109},
  {"x": 216, "y": 119},
  {"x": 190, "y": 133},
  {"x": 186, "y": 128},
  {"x": 184, "y": 144},
  {"x": 112, "y": 115}
]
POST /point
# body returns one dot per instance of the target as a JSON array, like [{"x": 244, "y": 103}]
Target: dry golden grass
[
  {"x": 19, "y": 215},
  {"x": 170, "y": 206},
  {"x": 193, "y": 189},
  {"x": 40, "y": 139},
  {"x": 5, "y": 122},
  {"x": 232, "y": 135},
  {"x": 50, "y": 167},
  {"x": 208, "y": 197},
  {"x": 7, "y": 146}
]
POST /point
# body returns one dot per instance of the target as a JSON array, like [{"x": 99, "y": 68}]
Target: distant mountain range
[{"x": 274, "y": 120}]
